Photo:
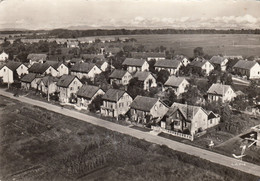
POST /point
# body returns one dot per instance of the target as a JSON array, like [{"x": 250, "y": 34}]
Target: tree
[
  {"x": 96, "y": 103},
  {"x": 163, "y": 76},
  {"x": 135, "y": 87},
  {"x": 239, "y": 103},
  {"x": 213, "y": 77},
  {"x": 226, "y": 78},
  {"x": 198, "y": 52},
  {"x": 170, "y": 96},
  {"x": 191, "y": 96},
  {"x": 151, "y": 65}
]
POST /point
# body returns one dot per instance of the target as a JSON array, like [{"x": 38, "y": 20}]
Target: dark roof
[
  {"x": 65, "y": 80},
  {"x": 217, "y": 59},
  {"x": 55, "y": 64},
  {"x": 174, "y": 81},
  {"x": 145, "y": 55},
  {"x": 48, "y": 80},
  {"x": 82, "y": 67},
  {"x": 143, "y": 103},
  {"x": 99, "y": 63},
  {"x": 134, "y": 62},
  {"x": 113, "y": 95},
  {"x": 87, "y": 91},
  {"x": 37, "y": 56},
  {"x": 39, "y": 68},
  {"x": 13, "y": 65},
  {"x": 118, "y": 74},
  {"x": 76, "y": 60},
  {"x": 243, "y": 64},
  {"x": 167, "y": 63},
  {"x": 142, "y": 76},
  {"x": 28, "y": 78},
  {"x": 218, "y": 89},
  {"x": 187, "y": 111},
  {"x": 198, "y": 62},
  {"x": 179, "y": 57},
  {"x": 92, "y": 56}
]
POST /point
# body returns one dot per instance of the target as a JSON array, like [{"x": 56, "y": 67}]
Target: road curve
[{"x": 191, "y": 150}]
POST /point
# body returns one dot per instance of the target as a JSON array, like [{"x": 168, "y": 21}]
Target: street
[{"x": 198, "y": 152}]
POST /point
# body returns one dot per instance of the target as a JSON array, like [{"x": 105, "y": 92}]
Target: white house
[
  {"x": 148, "y": 55},
  {"x": 103, "y": 65},
  {"x": 147, "y": 78},
  {"x": 43, "y": 69},
  {"x": 86, "y": 94},
  {"x": 61, "y": 67},
  {"x": 217, "y": 92},
  {"x": 88, "y": 70},
  {"x": 172, "y": 66},
  {"x": 47, "y": 84},
  {"x": 17, "y": 67},
  {"x": 178, "y": 84},
  {"x": 250, "y": 69},
  {"x": 30, "y": 81},
  {"x": 3, "y": 57},
  {"x": 120, "y": 77},
  {"x": 184, "y": 60},
  {"x": 201, "y": 64},
  {"x": 36, "y": 58},
  {"x": 219, "y": 62},
  {"x": 134, "y": 65},
  {"x": 6, "y": 74}
]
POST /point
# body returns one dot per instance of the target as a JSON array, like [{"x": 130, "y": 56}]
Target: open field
[{"x": 37, "y": 144}]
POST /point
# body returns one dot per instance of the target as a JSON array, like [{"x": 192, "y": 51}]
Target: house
[
  {"x": 88, "y": 70},
  {"x": 6, "y": 74},
  {"x": 219, "y": 62},
  {"x": 172, "y": 66},
  {"x": 47, "y": 84},
  {"x": 188, "y": 119},
  {"x": 87, "y": 93},
  {"x": 147, "y": 78},
  {"x": 184, "y": 60},
  {"x": 144, "y": 109},
  {"x": 110, "y": 51},
  {"x": 30, "y": 81},
  {"x": 43, "y": 69},
  {"x": 103, "y": 65},
  {"x": 61, "y": 67},
  {"x": 3, "y": 57},
  {"x": 178, "y": 84},
  {"x": 68, "y": 86},
  {"x": 72, "y": 44},
  {"x": 218, "y": 91},
  {"x": 73, "y": 61},
  {"x": 36, "y": 58},
  {"x": 120, "y": 77},
  {"x": 92, "y": 56},
  {"x": 148, "y": 55},
  {"x": 134, "y": 65},
  {"x": 202, "y": 65},
  {"x": 115, "y": 102},
  {"x": 17, "y": 67},
  {"x": 239, "y": 57},
  {"x": 250, "y": 69}
]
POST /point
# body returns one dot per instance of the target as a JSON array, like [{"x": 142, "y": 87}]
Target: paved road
[{"x": 205, "y": 154}]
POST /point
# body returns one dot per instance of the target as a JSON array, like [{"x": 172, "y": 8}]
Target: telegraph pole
[{"x": 48, "y": 94}]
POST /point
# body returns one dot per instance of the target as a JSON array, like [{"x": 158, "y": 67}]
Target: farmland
[{"x": 37, "y": 144}]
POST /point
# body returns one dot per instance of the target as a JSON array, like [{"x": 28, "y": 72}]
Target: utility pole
[
  {"x": 117, "y": 106},
  {"x": 48, "y": 84}
]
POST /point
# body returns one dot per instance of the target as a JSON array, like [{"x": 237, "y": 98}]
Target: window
[
  {"x": 61, "y": 66},
  {"x": 21, "y": 67},
  {"x": 71, "y": 88},
  {"x": 4, "y": 70},
  {"x": 155, "y": 108},
  {"x": 74, "y": 82}
]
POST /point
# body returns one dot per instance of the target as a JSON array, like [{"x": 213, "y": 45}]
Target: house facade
[
  {"x": 86, "y": 94},
  {"x": 47, "y": 85},
  {"x": 115, "y": 102},
  {"x": 202, "y": 65},
  {"x": 172, "y": 66},
  {"x": 219, "y": 62},
  {"x": 188, "y": 119},
  {"x": 68, "y": 86},
  {"x": 132, "y": 65},
  {"x": 36, "y": 58},
  {"x": 120, "y": 77},
  {"x": 29, "y": 81},
  {"x": 178, "y": 84},
  {"x": 6, "y": 74},
  {"x": 220, "y": 92},
  {"x": 147, "y": 78},
  {"x": 88, "y": 70},
  {"x": 250, "y": 69},
  {"x": 3, "y": 57},
  {"x": 43, "y": 69},
  {"x": 17, "y": 67},
  {"x": 144, "y": 109},
  {"x": 184, "y": 60},
  {"x": 62, "y": 68}
]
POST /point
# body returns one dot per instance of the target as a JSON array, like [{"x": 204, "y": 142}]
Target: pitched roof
[
  {"x": 243, "y": 64},
  {"x": 87, "y": 91},
  {"x": 168, "y": 63},
  {"x": 143, "y": 103},
  {"x": 217, "y": 59},
  {"x": 28, "y": 78},
  {"x": 187, "y": 111},
  {"x": 145, "y": 55},
  {"x": 76, "y": 60},
  {"x": 113, "y": 95},
  {"x": 134, "y": 62},
  {"x": 118, "y": 74},
  {"x": 82, "y": 67},
  {"x": 92, "y": 56},
  {"x": 142, "y": 76},
  {"x": 179, "y": 57},
  {"x": 65, "y": 80},
  {"x": 37, "y": 56},
  {"x": 218, "y": 89},
  {"x": 55, "y": 64},
  {"x": 48, "y": 80},
  {"x": 174, "y": 81},
  {"x": 39, "y": 68},
  {"x": 13, "y": 65},
  {"x": 99, "y": 63},
  {"x": 198, "y": 62}
]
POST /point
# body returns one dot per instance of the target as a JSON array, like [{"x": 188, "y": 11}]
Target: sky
[{"x": 183, "y": 14}]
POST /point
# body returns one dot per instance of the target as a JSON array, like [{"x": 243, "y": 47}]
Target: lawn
[{"x": 37, "y": 144}]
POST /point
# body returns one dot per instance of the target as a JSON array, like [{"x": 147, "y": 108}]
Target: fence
[{"x": 174, "y": 133}]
